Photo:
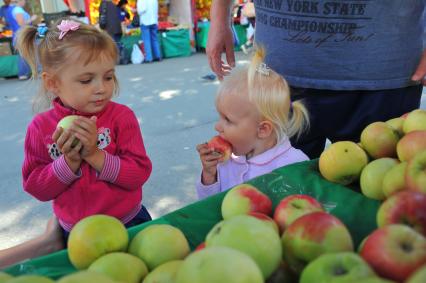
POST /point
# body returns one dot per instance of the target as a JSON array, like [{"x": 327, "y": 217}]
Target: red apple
[
  {"x": 244, "y": 199},
  {"x": 415, "y": 174},
  {"x": 406, "y": 207},
  {"x": 292, "y": 207},
  {"x": 415, "y": 121},
  {"x": 379, "y": 140},
  {"x": 312, "y": 235},
  {"x": 411, "y": 144},
  {"x": 220, "y": 146},
  {"x": 395, "y": 251}
]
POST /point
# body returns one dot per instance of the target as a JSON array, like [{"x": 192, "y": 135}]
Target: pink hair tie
[{"x": 66, "y": 26}]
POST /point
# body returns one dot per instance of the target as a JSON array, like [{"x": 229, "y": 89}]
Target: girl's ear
[
  {"x": 265, "y": 129},
  {"x": 50, "y": 82}
]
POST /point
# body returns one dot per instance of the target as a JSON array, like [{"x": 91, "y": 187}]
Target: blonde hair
[
  {"x": 52, "y": 53},
  {"x": 270, "y": 94}
]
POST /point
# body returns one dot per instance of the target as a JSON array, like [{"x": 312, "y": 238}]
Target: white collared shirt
[
  {"x": 148, "y": 12},
  {"x": 238, "y": 169}
]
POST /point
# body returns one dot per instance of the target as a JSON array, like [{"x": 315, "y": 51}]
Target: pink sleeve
[
  {"x": 204, "y": 191},
  {"x": 43, "y": 178},
  {"x": 130, "y": 167}
]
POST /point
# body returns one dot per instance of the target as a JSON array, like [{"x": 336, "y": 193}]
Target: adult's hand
[
  {"x": 420, "y": 73},
  {"x": 220, "y": 38}
]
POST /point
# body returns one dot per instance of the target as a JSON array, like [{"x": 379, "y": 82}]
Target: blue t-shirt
[
  {"x": 6, "y": 13},
  {"x": 19, "y": 10},
  {"x": 342, "y": 45}
]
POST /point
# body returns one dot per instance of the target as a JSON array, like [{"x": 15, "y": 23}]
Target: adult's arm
[
  {"x": 220, "y": 38},
  {"x": 420, "y": 73}
]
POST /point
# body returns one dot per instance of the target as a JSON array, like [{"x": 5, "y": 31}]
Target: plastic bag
[{"x": 137, "y": 55}]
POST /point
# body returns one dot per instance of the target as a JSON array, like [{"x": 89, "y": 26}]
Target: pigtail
[
  {"x": 26, "y": 47},
  {"x": 299, "y": 120}
]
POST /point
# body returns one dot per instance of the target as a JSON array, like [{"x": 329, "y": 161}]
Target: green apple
[
  {"x": 159, "y": 243},
  {"x": 251, "y": 236},
  {"x": 30, "y": 279},
  {"x": 406, "y": 207},
  {"x": 86, "y": 277},
  {"x": 219, "y": 264},
  {"x": 165, "y": 273},
  {"x": 415, "y": 121},
  {"x": 397, "y": 124},
  {"x": 244, "y": 199},
  {"x": 4, "y": 277},
  {"x": 292, "y": 207},
  {"x": 415, "y": 176},
  {"x": 312, "y": 235},
  {"x": 95, "y": 236},
  {"x": 394, "y": 179},
  {"x": 335, "y": 268},
  {"x": 379, "y": 140},
  {"x": 66, "y": 123},
  {"x": 120, "y": 267},
  {"x": 395, "y": 251},
  {"x": 266, "y": 219},
  {"x": 411, "y": 144},
  {"x": 418, "y": 276},
  {"x": 342, "y": 162},
  {"x": 371, "y": 181}
]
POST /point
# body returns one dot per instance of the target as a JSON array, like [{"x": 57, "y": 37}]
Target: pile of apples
[
  {"x": 390, "y": 157},
  {"x": 297, "y": 241}
]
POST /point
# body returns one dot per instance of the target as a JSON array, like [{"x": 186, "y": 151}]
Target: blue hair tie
[{"x": 41, "y": 31}]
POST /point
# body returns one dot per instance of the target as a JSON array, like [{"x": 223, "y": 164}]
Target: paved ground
[{"x": 176, "y": 112}]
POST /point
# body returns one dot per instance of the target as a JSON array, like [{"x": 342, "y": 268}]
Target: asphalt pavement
[{"x": 175, "y": 108}]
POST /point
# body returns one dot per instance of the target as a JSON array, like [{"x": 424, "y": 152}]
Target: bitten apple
[
  {"x": 395, "y": 251},
  {"x": 220, "y": 146},
  {"x": 292, "y": 207},
  {"x": 65, "y": 123},
  {"x": 415, "y": 174},
  {"x": 379, "y": 140},
  {"x": 406, "y": 207},
  {"x": 312, "y": 235},
  {"x": 342, "y": 162},
  {"x": 243, "y": 199}
]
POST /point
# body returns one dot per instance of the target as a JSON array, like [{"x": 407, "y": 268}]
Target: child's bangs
[{"x": 95, "y": 49}]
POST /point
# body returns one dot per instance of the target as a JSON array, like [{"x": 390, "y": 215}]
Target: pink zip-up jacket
[
  {"x": 115, "y": 191},
  {"x": 238, "y": 169}
]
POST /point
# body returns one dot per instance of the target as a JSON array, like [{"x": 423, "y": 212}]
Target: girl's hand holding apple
[{"x": 209, "y": 160}]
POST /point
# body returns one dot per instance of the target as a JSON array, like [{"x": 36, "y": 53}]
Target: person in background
[
  {"x": 20, "y": 19},
  {"x": 249, "y": 13},
  {"x": 351, "y": 64},
  {"x": 110, "y": 20},
  {"x": 104, "y": 170},
  {"x": 257, "y": 118},
  {"x": 148, "y": 14},
  {"x": 6, "y": 14},
  {"x": 48, "y": 242},
  {"x": 124, "y": 14}
]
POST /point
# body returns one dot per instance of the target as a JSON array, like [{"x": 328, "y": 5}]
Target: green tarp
[
  {"x": 195, "y": 220},
  {"x": 203, "y": 31},
  {"x": 8, "y": 66}
]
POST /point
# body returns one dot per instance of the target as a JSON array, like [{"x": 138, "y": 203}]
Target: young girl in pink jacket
[
  {"x": 103, "y": 173},
  {"x": 257, "y": 117}
]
